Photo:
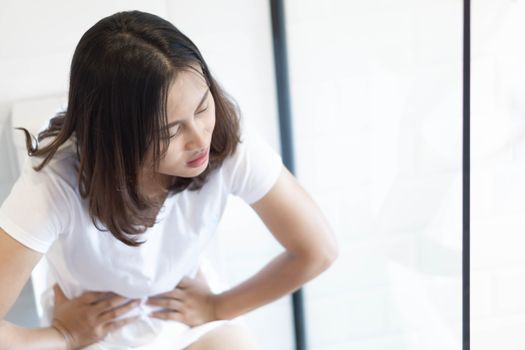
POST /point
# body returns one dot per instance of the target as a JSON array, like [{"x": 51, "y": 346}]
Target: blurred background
[{"x": 376, "y": 106}]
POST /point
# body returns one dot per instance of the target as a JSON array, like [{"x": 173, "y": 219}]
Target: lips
[{"x": 200, "y": 155}]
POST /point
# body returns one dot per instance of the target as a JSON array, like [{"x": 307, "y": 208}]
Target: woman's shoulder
[
  {"x": 253, "y": 167},
  {"x": 46, "y": 196},
  {"x": 61, "y": 169}
]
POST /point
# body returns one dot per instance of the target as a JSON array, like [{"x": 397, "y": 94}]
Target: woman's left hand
[{"x": 191, "y": 302}]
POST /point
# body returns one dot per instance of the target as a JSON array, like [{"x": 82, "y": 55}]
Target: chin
[
  {"x": 193, "y": 172},
  {"x": 198, "y": 171}
]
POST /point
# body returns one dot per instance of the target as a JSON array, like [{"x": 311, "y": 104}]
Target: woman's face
[{"x": 191, "y": 119}]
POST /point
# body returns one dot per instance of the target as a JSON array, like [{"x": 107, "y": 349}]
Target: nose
[{"x": 197, "y": 140}]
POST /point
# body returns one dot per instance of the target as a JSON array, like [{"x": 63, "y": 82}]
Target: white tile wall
[
  {"x": 376, "y": 100},
  {"x": 498, "y": 170}
]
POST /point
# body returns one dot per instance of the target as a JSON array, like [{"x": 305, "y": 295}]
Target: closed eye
[
  {"x": 178, "y": 125},
  {"x": 205, "y": 109},
  {"x": 176, "y": 132}
]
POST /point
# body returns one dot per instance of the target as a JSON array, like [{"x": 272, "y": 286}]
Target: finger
[
  {"x": 168, "y": 315},
  {"x": 175, "y": 294},
  {"x": 110, "y": 303},
  {"x": 59, "y": 295},
  {"x": 118, "y": 311},
  {"x": 94, "y": 297},
  {"x": 166, "y": 303},
  {"x": 200, "y": 275},
  {"x": 184, "y": 282},
  {"x": 114, "y": 325}
]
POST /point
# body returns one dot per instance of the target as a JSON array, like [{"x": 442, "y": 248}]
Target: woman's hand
[
  {"x": 191, "y": 302},
  {"x": 89, "y": 317}
]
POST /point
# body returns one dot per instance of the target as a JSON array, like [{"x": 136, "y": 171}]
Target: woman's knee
[{"x": 226, "y": 337}]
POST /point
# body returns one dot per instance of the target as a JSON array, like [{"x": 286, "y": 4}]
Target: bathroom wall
[
  {"x": 376, "y": 96},
  {"x": 498, "y": 173}
]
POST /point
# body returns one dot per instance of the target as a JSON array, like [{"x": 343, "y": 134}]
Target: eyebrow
[{"x": 196, "y": 109}]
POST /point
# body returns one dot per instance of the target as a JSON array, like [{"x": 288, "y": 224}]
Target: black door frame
[
  {"x": 466, "y": 175},
  {"x": 286, "y": 137}
]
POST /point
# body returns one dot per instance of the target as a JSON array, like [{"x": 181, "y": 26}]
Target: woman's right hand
[{"x": 88, "y": 318}]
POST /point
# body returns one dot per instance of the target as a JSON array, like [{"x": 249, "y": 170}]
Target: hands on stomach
[{"x": 89, "y": 317}]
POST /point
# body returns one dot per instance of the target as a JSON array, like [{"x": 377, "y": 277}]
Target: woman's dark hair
[{"x": 120, "y": 73}]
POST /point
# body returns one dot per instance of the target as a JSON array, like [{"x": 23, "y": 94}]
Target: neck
[{"x": 155, "y": 186}]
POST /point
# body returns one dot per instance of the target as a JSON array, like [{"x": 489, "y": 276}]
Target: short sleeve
[
  {"x": 34, "y": 212},
  {"x": 254, "y": 167}
]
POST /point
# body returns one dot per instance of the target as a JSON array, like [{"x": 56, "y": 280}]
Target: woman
[{"x": 123, "y": 191}]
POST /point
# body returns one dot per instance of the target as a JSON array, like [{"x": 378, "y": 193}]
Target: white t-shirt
[{"x": 45, "y": 212}]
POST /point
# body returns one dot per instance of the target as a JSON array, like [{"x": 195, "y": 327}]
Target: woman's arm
[
  {"x": 299, "y": 225},
  {"x": 16, "y": 264},
  {"x": 82, "y": 320},
  {"x": 14, "y": 337}
]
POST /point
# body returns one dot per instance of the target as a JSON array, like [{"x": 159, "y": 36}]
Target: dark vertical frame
[
  {"x": 466, "y": 174},
  {"x": 285, "y": 127}
]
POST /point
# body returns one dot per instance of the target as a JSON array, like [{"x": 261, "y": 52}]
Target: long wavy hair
[{"x": 120, "y": 73}]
